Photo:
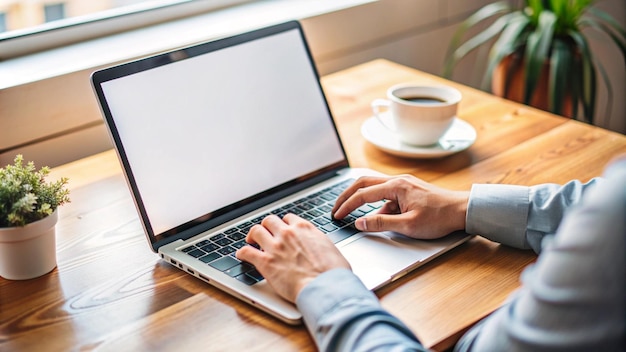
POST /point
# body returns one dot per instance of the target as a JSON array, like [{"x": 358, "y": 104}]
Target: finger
[
  {"x": 273, "y": 224},
  {"x": 369, "y": 194},
  {"x": 260, "y": 235},
  {"x": 362, "y": 182},
  {"x": 249, "y": 254},
  {"x": 389, "y": 208},
  {"x": 291, "y": 219},
  {"x": 384, "y": 222}
]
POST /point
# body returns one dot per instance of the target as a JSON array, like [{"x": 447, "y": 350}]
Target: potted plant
[
  {"x": 28, "y": 215},
  {"x": 542, "y": 44}
]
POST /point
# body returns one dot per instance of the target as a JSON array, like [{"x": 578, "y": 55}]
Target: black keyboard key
[
  {"x": 349, "y": 219},
  {"x": 255, "y": 274},
  {"x": 196, "y": 253},
  {"x": 365, "y": 208},
  {"x": 315, "y": 213},
  {"x": 202, "y": 243},
  {"x": 296, "y": 210},
  {"x": 237, "y": 236},
  {"x": 245, "y": 224},
  {"x": 187, "y": 249},
  {"x": 328, "y": 197},
  {"x": 335, "y": 192},
  {"x": 217, "y": 237},
  {"x": 326, "y": 208},
  {"x": 210, "y": 257},
  {"x": 231, "y": 230},
  {"x": 317, "y": 201},
  {"x": 307, "y": 216},
  {"x": 306, "y": 206},
  {"x": 328, "y": 228},
  {"x": 321, "y": 221},
  {"x": 239, "y": 269},
  {"x": 341, "y": 222},
  {"x": 226, "y": 250},
  {"x": 224, "y": 263},
  {"x": 246, "y": 229},
  {"x": 342, "y": 234},
  {"x": 238, "y": 244},
  {"x": 223, "y": 242},
  {"x": 210, "y": 247},
  {"x": 257, "y": 220},
  {"x": 357, "y": 213},
  {"x": 248, "y": 280}
]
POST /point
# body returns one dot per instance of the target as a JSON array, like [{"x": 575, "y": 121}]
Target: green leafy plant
[
  {"x": 537, "y": 31},
  {"x": 25, "y": 196}
]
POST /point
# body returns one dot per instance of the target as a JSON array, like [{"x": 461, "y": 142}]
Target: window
[
  {"x": 29, "y": 26},
  {"x": 54, "y": 12},
  {"x": 3, "y": 22}
]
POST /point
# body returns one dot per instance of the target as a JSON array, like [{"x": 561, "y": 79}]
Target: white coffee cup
[{"x": 419, "y": 115}]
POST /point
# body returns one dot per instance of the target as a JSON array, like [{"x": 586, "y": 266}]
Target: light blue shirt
[{"x": 573, "y": 298}]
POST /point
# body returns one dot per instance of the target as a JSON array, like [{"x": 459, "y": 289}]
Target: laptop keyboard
[{"x": 219, "y": 250}]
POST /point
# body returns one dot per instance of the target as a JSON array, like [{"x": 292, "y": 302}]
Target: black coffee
[{"x": 423, "y": 100}]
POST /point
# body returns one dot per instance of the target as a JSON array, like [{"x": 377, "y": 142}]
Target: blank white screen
[{"x": 205, "y": 132}]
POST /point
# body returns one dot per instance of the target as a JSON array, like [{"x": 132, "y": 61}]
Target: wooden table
[{"x": 111, "y": 292}]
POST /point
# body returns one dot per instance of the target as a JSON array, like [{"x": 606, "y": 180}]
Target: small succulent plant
[{"x": 25, "y": 196}]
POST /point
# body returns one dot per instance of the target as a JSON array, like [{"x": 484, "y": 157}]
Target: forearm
[
  {"x": 348, "y": 317},
  {"x": 572, "y": 299},
  {"x": 521, "y": 216}
]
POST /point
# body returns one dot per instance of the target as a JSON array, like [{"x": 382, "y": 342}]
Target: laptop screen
[{"x": 203, "y": 129}]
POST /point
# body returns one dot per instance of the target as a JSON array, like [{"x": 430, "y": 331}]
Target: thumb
[{"x": 381, "y": 222}]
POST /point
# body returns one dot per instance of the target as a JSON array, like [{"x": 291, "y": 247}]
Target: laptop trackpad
[{"x": 377, "y": 257}]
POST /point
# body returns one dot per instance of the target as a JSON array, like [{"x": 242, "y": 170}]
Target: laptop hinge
[{"x": 248, "y": 208}]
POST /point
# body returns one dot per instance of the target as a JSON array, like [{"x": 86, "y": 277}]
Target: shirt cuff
[
  {"x": 499, "y": 213},
  {"x": 329, "y": 292}
]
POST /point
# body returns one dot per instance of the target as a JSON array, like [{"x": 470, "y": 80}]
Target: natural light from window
[
  {"x": 22, "y": 16},
  {"x": 28, "y": 26}
]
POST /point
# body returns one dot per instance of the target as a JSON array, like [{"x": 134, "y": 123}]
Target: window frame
[{"x": 73, "y": 30}]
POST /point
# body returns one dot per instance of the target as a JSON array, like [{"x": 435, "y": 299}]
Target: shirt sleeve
[
  {"x": 343, "y": 315},
  {"x": 574, "y": 297},
  {"x": 520, "y": 216}
]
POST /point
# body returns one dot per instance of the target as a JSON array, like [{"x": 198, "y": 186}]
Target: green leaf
[
  {"x": 609, "y": 20},
  {"x": 558, "y": 83},
  {"x": 588, "y": 77},
  {"x": 559, "y": 8},
  {"x": 486, "y": 12},
  {"x": 25, "y": 196},
  {"x": 609, "y": 92},
  {"x": 535, "y": 7},
  {"x": 576, "y": 83},
  {"x": 537, "y": 50},
  {"x": 601, "y": 27},
  {"x": 506, "y": 44}
]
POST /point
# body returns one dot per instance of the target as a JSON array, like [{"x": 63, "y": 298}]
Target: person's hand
[
  {"x": 292, "y": 253},
  {"x": 413, "y": 208}
]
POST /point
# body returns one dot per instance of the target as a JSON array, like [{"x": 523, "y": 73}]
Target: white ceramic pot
[{"x": 29, "y": 251}]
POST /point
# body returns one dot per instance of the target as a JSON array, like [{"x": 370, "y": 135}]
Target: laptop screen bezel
[{"x": 241, "y": 207}]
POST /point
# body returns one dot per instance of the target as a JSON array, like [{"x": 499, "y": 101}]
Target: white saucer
[{"x": 460, "y": 136}]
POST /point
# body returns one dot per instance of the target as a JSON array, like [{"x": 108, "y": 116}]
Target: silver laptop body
[{"x": 215, "y": 136}]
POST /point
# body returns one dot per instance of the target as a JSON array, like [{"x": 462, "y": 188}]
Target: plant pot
[
  {"x": 508, "y": 82},
  {"x": 28, "y": 251}
]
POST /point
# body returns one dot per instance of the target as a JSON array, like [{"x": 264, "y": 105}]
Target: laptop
[{"x": 214, "y": 137}]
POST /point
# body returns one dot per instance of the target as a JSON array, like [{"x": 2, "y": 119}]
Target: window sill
[{"x": 154, "y": 39}]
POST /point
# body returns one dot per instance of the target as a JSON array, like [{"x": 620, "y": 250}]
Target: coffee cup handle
[{"x": 377, "y": 104}]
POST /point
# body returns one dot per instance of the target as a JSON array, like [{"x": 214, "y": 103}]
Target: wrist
[{"x": 459, "y": 211}]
